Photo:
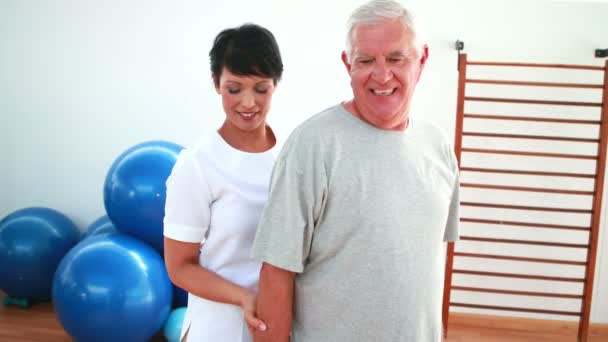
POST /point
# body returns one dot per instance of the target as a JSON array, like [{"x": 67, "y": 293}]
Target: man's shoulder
[
  {"x": 322, "y": 119},
  {"x": 431, "y": 131},
  {"x": 315, "y": 132},
  {"x": 319, "y": 124},
  {"x": 437, "y": 140}
]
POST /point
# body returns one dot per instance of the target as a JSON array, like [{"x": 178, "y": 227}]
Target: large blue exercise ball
[
  {"x": 32, "y": 243},
  {"x": 112, "y": 287},
  {"x": 180, "y": 297},
  {"x": 173, "y": 326},
  {"x": 102, "y": 225},
  {"x": 135, "y": 191}
]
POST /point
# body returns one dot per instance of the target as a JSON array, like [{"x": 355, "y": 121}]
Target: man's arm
[{"x": 275, "y": 304}]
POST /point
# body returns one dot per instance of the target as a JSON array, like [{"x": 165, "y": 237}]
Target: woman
[{"x": 218, "y": 188}]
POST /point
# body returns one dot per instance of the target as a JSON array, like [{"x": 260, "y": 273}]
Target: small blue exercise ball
[
  {"x": 173, "y": 326},
  {"x": 135, "y": 191},
  {"x": 32, "y": 243},
  {"x": 102, "y": 225},
  {"x": 112, "y": 287}
]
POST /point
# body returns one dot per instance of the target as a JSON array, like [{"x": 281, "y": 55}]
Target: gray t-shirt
[{"x": 361, "y": 214}]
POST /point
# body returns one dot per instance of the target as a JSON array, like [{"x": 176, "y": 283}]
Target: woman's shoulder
[
  {"x": 192, "y": 155},
  {"x": 202, "y": 147}
]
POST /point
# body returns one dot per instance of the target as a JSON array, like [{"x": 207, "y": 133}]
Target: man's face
[{"x": 384, "y": 69}]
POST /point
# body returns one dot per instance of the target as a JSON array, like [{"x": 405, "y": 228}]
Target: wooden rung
[
  {"x": 531, "y": 173},
  {"x": 528, "y": 189},
  {"x": 525, "y": 259},
  {"x": 521, "y": 136},
  {"x": 508, "y": 308},
  {"x": 538, "y": 65},
  {"x": 545, "y": 102},
  {"x": 537, "y": 84},
  {"x": 520, "y": 276},
  {"x": 531, "y": 154},
  {"x": 529, "y": 118},
  {"x": 524, "y": 224},
  {"x": 524, "y": 242},
  {"x": 518, "y": 293},
  {"x": 522, "y": 207}
]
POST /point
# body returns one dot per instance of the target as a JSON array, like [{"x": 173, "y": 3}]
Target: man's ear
[
  {"x": 424, "y": 55},
  {"x": 345, "y": 61}
]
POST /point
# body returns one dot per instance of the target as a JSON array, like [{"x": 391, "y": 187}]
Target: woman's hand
[{"x": 248, "y": 303}]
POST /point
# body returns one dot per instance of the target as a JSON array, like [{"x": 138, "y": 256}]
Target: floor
[
  {"x": 39, "y": 323},
  {"x": 478, "y": 328}
]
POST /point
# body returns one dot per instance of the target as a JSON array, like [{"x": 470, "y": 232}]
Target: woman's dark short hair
[{"x": 247, "y": 50}]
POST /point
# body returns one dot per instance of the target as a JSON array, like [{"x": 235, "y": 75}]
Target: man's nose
[{"x": 382, "y": 73}]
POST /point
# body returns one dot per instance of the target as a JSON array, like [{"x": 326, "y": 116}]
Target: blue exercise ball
[
  {"x": 135, "y": 191},
  {"x": 173, "y": 325},
  {"x": 102, "y": 225},
  {"x": 112, "y": 287},
  {"x": 180, "y": 297},
  {"x": 32, "y": 243}
]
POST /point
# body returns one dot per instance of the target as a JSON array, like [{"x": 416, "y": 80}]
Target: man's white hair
[{"x": 376, "y": 11}]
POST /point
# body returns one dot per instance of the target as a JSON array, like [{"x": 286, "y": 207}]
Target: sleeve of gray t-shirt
[
  {"x": 295, "y": 203},
  {"x": 452, "y": 231}
]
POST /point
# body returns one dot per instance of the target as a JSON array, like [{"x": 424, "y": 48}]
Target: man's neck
[{"x": 351, "y": 107}]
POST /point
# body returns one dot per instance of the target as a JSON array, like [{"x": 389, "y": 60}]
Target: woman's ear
[{"x": 216, "y": 83}]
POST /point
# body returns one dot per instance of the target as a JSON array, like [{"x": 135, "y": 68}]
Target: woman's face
[{"x": 246, "y": 99}]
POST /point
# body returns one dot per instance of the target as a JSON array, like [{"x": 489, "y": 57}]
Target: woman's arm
[{"x": 181, "y": 259}]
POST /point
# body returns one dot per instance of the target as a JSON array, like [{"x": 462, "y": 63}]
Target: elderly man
[{"x": 361, "y": 200}]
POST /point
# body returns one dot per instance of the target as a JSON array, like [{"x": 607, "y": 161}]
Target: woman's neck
[{"x": 259, "y": 140}]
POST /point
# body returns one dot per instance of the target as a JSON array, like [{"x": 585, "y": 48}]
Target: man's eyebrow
[
  {"x": 398, "y": 54},
  {"x": 361, "y": 55}
]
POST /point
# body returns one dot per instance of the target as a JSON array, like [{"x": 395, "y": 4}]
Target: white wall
[
  {"x": 5, "y": 163},
  {"x": 81, "y": 81}
]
